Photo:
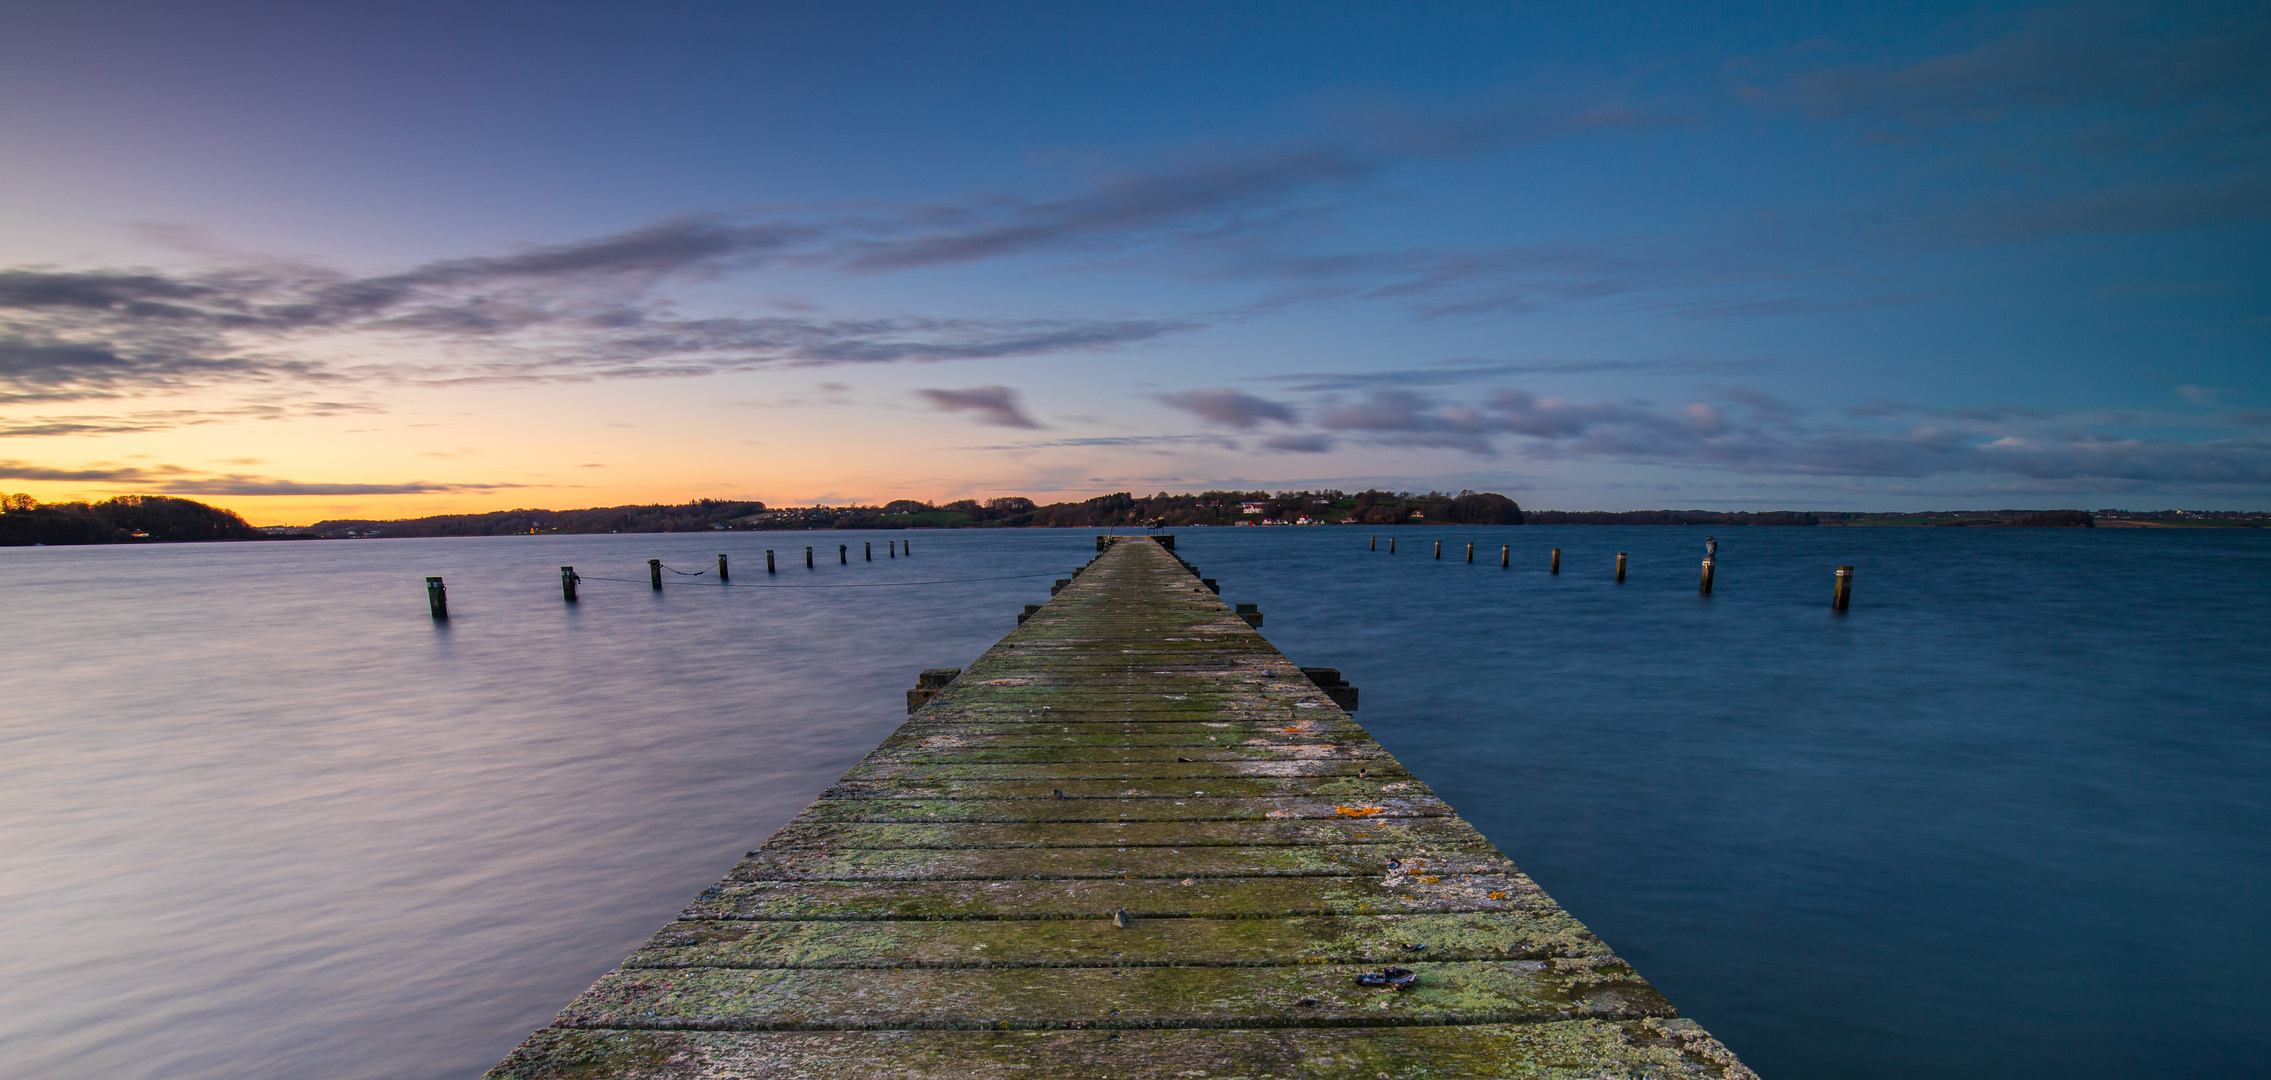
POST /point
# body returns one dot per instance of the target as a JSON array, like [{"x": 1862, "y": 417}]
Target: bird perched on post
[{"x": 1711, "y": 548}]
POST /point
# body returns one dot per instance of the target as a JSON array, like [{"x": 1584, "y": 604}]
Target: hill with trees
[{"x": 125, "y": 519}]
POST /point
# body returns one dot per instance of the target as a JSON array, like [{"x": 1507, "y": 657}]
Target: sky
[{"x": 322, "y": 261}]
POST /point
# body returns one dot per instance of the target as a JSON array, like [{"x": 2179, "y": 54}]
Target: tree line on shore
[
  {"x": 125, "y": 519},
  {"x": 148, "y": 518}
]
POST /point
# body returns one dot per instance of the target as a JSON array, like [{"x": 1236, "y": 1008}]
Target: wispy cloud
[
  {"x": 179, "y": 480},
  {"x": 996, "y": 405},
  {"x": 1229, "y": 407}
]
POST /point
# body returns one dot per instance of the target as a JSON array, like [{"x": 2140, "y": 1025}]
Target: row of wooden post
[
  {"x": 1840, "y": 599},
  {"x": 437, "y": 595}
]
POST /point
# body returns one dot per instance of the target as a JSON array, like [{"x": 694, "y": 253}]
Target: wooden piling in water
[
  {"x": 769, "y": 561},
  {"x": 1470, "y": 553},
  {"x": 1375, "y": 543},
  {"x": 1705, "y": 586},
  {"x": 1506, "y": 555},
  {"x": 1439, "y": 549},
  {"x": 437, "y": 598},
  {"x": 867, "y": 550},
  {"x": 1844, "y": 591},
  {"x": 891, "y": 548},
  {"x": 1391, "y": 545},
  {"x": 1131, "y": 839},
  {"x": 568, "y": 581},
  {"x": 722, "y": 575},
  {"x": 843, "y": 554},
  {"x": 654, "y": 572},
  {"x": 1555, "y": 567},
  {"x": 1620, "y": 567},
  {"x": 808, "y": 557}
]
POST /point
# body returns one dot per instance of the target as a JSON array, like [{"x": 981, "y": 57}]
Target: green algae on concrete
[{"x": 1131, "y": 840}]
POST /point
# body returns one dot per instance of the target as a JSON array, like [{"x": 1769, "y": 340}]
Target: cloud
[
  {"x": 1228, "y": 407},
  {"x": 1462, "y": 372},
  {"x": 255, "y": 486},
  {"x": 176, "y": 480},
  {"x": 1300, "y": 444},
  {"x": 1746, "y": 431},
  {"x": 2109, "y": 119},
  {"x": 995, "y": 405}
]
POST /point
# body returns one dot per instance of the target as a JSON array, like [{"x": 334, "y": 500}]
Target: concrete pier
[{"x": 1131, "y": 840}]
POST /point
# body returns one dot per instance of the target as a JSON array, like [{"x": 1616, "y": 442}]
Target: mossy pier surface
[{"x": 1131, "y": 840}]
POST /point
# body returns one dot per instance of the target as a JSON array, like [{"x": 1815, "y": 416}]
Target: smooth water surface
[{"x": 260, "y": 817}]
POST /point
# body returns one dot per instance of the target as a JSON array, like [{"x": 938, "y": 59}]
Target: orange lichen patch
[
  {"x": 1359, "y": 811},
  {"x": 1496, "y": 895}
]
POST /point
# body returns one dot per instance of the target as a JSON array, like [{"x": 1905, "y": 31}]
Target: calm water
[{"x": 261, "y": 818}]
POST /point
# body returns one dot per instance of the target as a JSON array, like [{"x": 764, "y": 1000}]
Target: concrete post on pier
[
  {"x": 1705, "y": 586},
  {"x": 437, "y": 598},
  {"x": 722, "y": 575},
  {"x": 568, "y": 581},
  {"x": 654, "y": 572},
  {"x": 1844, "y": 593}
]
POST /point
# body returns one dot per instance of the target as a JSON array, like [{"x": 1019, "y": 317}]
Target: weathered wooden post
[
  {"x": 437, "y": 598},
  {"x": 1470, "y": 553},
  {"x": 568, "y": 581},
  {"x": 808, "y": 556},
  {"x": 1375, "y": 543},
  {"x": 1620, "y": 567},
  {"x": 654, "y": 572},
  {"x": 1027, "y": 613},
  {"x": 769, "y": 561},
  {"x": 906, "y": 547},
  {"x": 1506, "y": 555},
  {"x": 1252, "y": 613},
  {"x": 843, "y": 554},
  {"x": 1844, "y": 593},
  {"x": 1391, "y": 545},
  {"x": 891, "y": 548},
  {"x": 1556, "y": 567},
  {"x": 1708, "y": 566},
  {"x": 1439, "y": 549},
  {"x": 722, "y": 575},
  {"x": 867, "y": 550}
]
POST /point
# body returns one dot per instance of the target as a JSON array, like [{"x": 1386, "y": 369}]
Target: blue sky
[{"x": 311, "y": 261}]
